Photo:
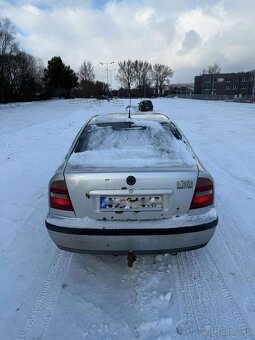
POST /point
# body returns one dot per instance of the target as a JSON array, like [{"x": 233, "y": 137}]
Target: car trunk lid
[{"x": 111, "y": 195}]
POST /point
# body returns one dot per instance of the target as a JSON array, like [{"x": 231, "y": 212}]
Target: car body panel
[
  {"x": 97, "y": 195},
  {"x": 85, "y": 190},
  {"x": 168, "y": 235},
  {"x": 103, "y": 244}
]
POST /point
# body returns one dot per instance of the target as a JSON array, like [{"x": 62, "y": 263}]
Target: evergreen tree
[{"x": 58, "y": 77}]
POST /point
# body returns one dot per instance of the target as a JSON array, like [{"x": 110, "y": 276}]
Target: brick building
[{"x": 226, "y": 84}]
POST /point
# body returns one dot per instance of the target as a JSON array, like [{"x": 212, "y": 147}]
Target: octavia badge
[{"x": 185, "y": 184}]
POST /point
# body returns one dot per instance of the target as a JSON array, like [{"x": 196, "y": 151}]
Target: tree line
[
  {"x": 20, "y": 72},
  {"x": 142, "y": 75},
  {"x": 23, "y": 77},
  {"x": 135, "y": 77}
]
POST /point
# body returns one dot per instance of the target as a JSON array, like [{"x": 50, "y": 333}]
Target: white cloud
[
  {"x": 191, "y": 41},
  {"x": 186, "y": 35}
]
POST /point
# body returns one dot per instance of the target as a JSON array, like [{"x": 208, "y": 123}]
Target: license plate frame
[{"x": 131, "y": 203}]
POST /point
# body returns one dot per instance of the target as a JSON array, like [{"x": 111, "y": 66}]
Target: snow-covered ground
[{"x": 50, "y": 294}]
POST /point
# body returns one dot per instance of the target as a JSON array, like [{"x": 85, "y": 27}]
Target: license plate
[{"x": 131, "y": 203}]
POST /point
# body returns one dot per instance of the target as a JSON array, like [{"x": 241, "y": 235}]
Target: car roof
[{"x": 121, "y": 117}]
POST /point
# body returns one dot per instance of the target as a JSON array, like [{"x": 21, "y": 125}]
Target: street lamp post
[
  {"x": 111, "y": 78},
  {"x": 102, "y": 63},
  {"x": 212, "y": 93}
]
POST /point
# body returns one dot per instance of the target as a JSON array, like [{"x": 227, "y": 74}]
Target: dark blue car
[{"x": 145, "y": 105}]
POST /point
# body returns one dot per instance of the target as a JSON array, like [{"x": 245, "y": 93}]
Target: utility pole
[{"x": 103, "y": 63}]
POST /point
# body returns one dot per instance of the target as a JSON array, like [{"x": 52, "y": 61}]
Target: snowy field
[{"x": 50, "y": 294}]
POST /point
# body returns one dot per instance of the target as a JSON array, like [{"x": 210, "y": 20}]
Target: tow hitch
[{"x": 131, "y": 258}]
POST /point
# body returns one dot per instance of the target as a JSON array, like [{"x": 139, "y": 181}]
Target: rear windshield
[
  {"x": 130, "y": 144},
  {"x": 117, "y": 134}
]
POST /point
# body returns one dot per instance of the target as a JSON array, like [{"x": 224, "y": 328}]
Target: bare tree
[
  {"x": 87, "y": 76},
  {"x": 142, "y": 71},
  {"x": 86, "y": 72},
  {"x": 20, "y": 73},
  {"x": 212, "y": 69},
  {"x": 23, "y": 77},
  {"x": 8, "y": 44},
  {"x": 8, "y": 47},
  {"x": 160, "y": 75},
  {"x": 126, "y": 74}
]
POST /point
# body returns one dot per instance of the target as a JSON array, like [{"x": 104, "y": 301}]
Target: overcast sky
[{"x": 186, "y": 35}]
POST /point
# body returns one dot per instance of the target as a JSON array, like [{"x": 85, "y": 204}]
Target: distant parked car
[
  {"x": 145, "y": 105},
  {"x": 131, "y": 185}
]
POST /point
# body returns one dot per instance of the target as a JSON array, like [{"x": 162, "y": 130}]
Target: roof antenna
[{"x": 129, "y": 106}]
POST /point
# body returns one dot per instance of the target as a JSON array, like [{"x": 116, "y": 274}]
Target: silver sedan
[{"x": 131, "y": 185}]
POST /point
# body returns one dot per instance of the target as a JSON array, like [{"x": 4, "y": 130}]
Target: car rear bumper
[{"x": 140, "y": 241}]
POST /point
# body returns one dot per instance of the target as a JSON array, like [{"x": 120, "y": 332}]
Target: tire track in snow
[
  {"x": 239, "y": 252},
  {"x": 208, "y": 307},
  {"x": 45, "y": 303}
]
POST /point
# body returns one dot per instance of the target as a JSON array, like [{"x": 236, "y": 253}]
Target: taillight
[
  {"x": 203, "y": 195},
  {"x": 59, "y": 197}
]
